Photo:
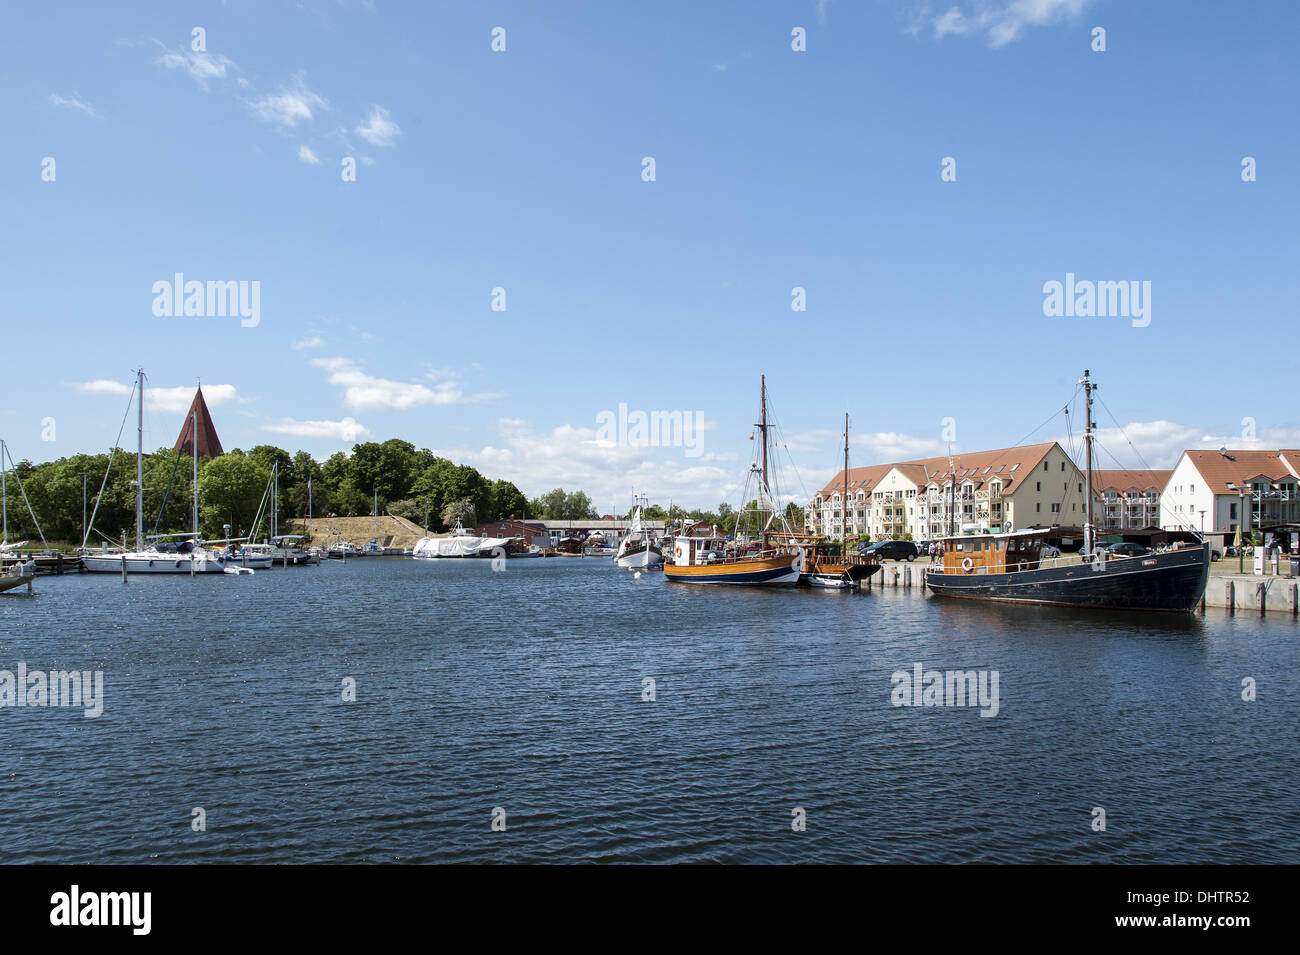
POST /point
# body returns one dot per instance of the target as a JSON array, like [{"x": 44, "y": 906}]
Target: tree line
[{"x": 411, "y": 483}]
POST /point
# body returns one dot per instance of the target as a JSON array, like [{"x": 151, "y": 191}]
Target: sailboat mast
[
  {"x": 194, "y": 447},
  {"x": 1088, "y": 532},
  {"x": 139, "y": 464},
  {"x": 762, "y": 424},
  {"x": 844, "y": 511},
  {"x": 4, "y": 493}
]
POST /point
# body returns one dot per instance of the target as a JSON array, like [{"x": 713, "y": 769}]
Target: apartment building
[
  {"x": 1034, "y": 485},
  {"x": 1128, "y": 499}
]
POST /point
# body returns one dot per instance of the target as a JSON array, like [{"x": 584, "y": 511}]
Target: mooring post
[
  {"x": 1230, "y": 592},
  {"x": 1262, "y": 591},
  {"x": 124, "y": 568}
]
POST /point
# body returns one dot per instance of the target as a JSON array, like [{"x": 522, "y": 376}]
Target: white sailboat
[
  {"x": 183, "y": 555},
  {"x": 639, "y": 548}
]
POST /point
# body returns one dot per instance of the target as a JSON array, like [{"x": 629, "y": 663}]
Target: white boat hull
[
  {"x": 152, "y": 564},
  {"x": 642, "y": 559}
]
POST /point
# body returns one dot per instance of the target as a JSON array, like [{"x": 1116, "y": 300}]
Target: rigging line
[
  {"x": 1065, "y": 408},
  {"x": 1124, "y": 434},
  {"x": 90, "y": 525},
  {"x": 14, "y": 470},
  {"x": 1164, "y": 509}
]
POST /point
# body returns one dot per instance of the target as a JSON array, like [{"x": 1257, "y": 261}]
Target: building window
[
  {"x": 1038, "y": 508},
  {"x": 1040, "y": 486}
]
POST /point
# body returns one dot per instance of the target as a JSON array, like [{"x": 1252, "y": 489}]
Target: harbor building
[
  {"x": 1215, "y": 492},
  {"x": 1128, "y": 499},
  {"x": 1035, "y": 485}
]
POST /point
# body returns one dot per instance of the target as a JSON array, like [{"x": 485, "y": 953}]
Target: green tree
[
  {"x": 230, "y": 488},
  {"x": 461, "y": 511},
  {"x": 507, "y": 501}
]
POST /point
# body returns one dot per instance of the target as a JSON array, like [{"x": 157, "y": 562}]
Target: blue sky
[{"x": 774, "y": 169}]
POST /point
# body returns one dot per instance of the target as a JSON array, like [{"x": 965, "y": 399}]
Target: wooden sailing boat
[
  {"x": 1008, "y": 567},
  {"x": 824, "y": 565},
  {"x": 708, "y": 558}
]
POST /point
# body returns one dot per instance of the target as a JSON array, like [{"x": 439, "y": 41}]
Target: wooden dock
[{"x": 47, "y": 565}]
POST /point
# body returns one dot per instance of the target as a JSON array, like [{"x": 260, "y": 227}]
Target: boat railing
[{"x": 1044, "y": 563}]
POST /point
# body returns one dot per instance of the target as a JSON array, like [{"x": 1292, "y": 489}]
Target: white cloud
[
  {"x": 1159, "y": 444},
  {"x": 346, "y": 430},
  {"x": 572, "y": 458},
  {"x": 378, "y": 129},
  {"x": 166, "y": 400},
  {"x": 308, "y": 155},
  {"x": 201, "y": 67},
  {"x": 73, "y": 102},
  {"x": 302, "y": 344},
  {"x": 1001, "y": 21},
  {"x": 291, "y": 105},
  {"x": 363, "y": 392}
]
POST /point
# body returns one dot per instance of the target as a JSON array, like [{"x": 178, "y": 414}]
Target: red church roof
[{"x": 209, "y": 443}]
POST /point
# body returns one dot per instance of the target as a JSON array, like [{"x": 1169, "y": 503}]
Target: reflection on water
[{"x": 523, "y": 690}]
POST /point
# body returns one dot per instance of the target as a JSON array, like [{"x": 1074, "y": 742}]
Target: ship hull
[
  {"x": 139, "y": 564},
  {"x": 647, "y": 557},
  {"x": 1173, "y": 582},
  {"x": 766, "y": 572}
]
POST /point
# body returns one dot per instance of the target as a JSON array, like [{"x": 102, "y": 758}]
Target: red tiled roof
[
  {"x": 969, "y": 465},
  {"x": 1125, "y": 479},
  {"x": 1239, "y": 467}
]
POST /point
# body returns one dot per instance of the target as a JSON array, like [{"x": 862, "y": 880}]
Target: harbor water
[{"x": 524, "y": 695}]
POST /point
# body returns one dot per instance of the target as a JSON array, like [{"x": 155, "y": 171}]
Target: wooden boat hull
[
  {"x": 1174, "y": 581},
  {"x": 762, "y": 572}
]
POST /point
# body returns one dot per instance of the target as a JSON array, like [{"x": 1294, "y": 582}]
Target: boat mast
[
  {"x": 194, "y": 447},
  {"x": 4, "y": 494},
  {"x": 139, "y": 464},
  {"x": 844, "y": 511},
  {"x": 763, "y": 427},
  {"x": 1088, "y": 533}
]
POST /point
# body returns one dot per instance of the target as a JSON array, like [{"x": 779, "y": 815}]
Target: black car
[{"x": 891, "y": 550}]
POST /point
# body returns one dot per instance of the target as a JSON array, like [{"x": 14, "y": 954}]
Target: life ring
[
  {"x": 967, "y": 564},
  {"x": 678, "y": 550}
]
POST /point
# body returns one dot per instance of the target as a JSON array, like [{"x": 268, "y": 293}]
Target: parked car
[
  {"x": 891, "y": 550},
  {"x": 1050, "y": 550}
]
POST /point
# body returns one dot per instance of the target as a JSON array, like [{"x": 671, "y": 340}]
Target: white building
[{"x": 1214, "y": 492}]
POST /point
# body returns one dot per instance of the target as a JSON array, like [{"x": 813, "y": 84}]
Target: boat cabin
[
  {"x": 992, "y": 553},
  {"x": 698, "y": 551}
]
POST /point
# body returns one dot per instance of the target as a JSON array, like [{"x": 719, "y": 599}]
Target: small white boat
[
  {"x": 639, "y": 549},
  {"x": 341, "y": 550}
]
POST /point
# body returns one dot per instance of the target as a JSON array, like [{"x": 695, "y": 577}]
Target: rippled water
[{"x": 522, "y": 690}]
